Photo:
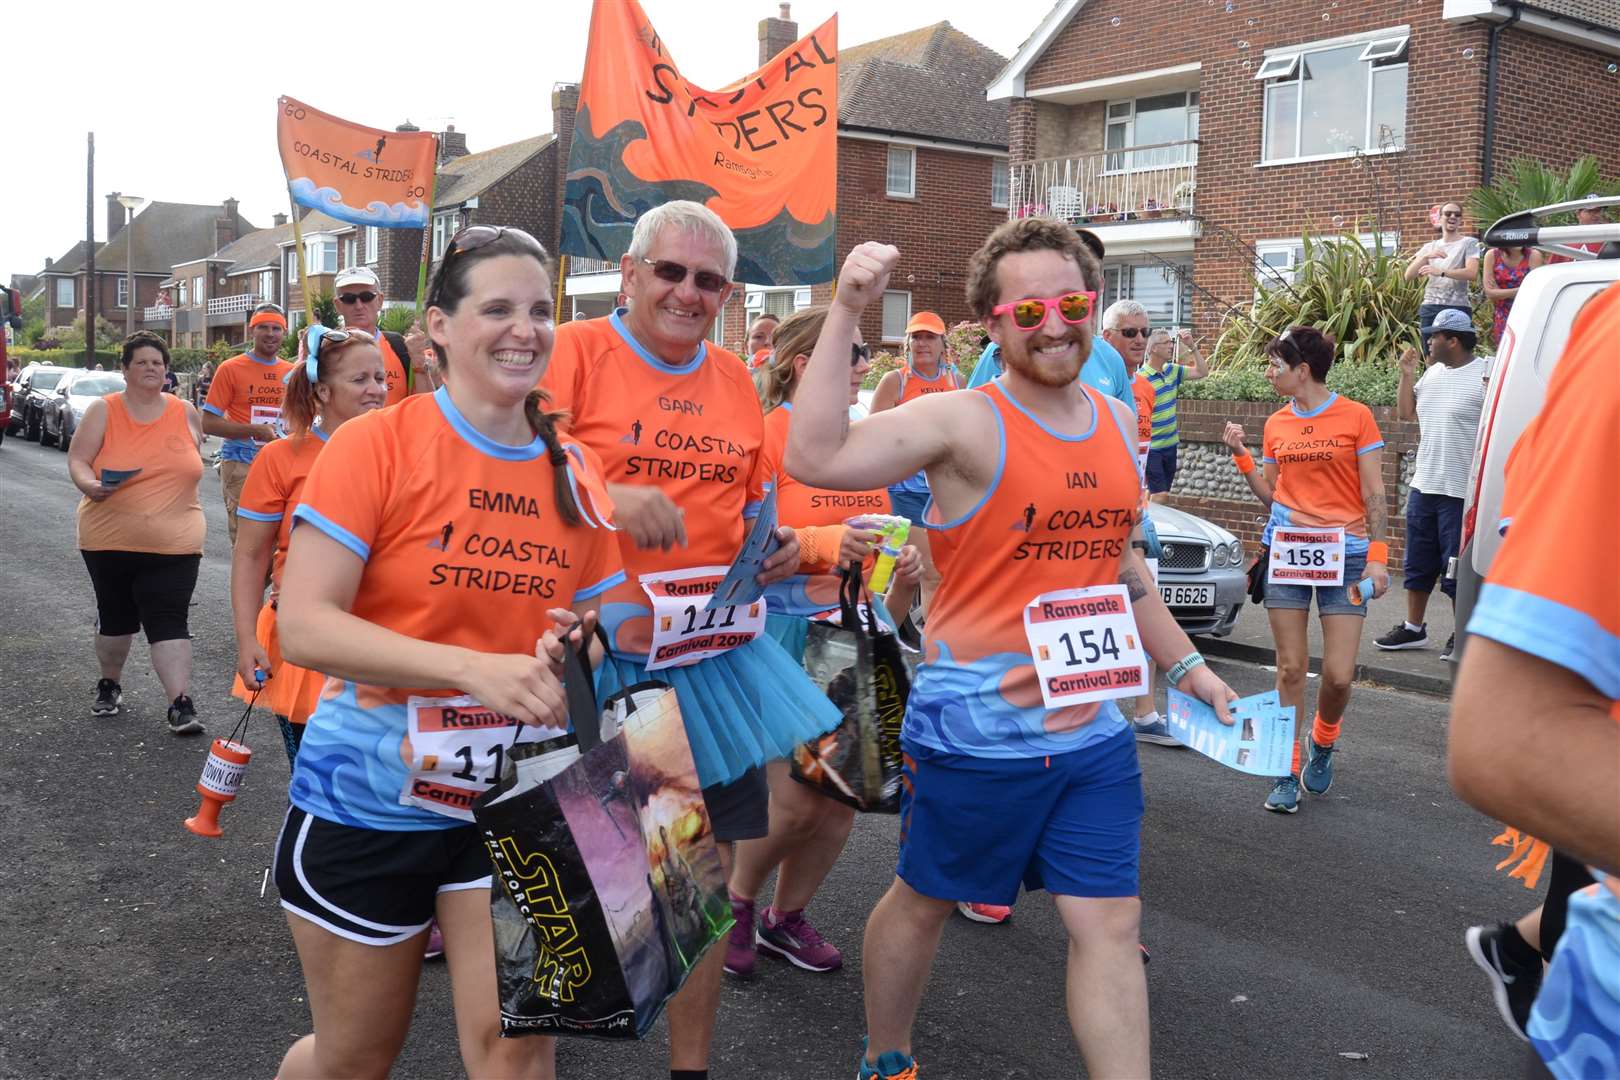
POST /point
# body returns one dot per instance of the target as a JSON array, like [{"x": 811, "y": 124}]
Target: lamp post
[{"x": 131, "y": 203}]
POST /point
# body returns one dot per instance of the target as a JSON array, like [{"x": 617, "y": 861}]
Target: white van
[{"x": 1537, "y": 330}]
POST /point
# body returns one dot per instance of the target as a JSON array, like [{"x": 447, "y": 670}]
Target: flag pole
[
  {"x": 562, "y": 276},
  {"x": 303, "y": 271}
]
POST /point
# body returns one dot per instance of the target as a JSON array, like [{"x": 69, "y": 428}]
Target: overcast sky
[{"x": 181, "y": 95}]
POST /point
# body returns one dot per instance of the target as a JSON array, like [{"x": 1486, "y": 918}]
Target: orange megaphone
[{"x": 221, "y": 779}]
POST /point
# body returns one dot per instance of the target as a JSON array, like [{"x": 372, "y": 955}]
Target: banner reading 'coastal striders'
[
  {"x": 762, "y": 153},
  {"x": 357, "y": 174}
]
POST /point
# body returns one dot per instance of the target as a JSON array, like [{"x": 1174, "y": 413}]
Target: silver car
[
  {"x": 1202, "y": 571},
  {"x": 65, "y": 408}
]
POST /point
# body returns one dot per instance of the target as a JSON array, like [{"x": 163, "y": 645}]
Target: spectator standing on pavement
[
  {"x": 1166, "y": 374},
  {"x": 243, "y": 406},
  {"x": 1534, "y": 738},
  {"x": 760, "y": 332},
  {"x": 1448, "y": 264},
  {"x": 140, "y": 525},
  {"x": 1505, "y": 269},
  {"x": 199, "y": 390},
  {"x": 359, "y": 299},
  {"x": 1446, "y": 403}
]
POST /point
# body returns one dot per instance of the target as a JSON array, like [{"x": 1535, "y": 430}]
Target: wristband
[
  {"x": 1244, "y": 463},
  {"x": 1182, "y": 667},
  {"x": 1378, "y": 552}
]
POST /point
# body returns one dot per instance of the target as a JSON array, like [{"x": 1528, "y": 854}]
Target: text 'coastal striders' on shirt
[
  {"x": 247, "y": 390},
  {"x": 1037, "y": 529},
  {"x": 1318, "y": 455},
  {"x": 693, "y": 430},
  {"x": 463, "y": 545}
]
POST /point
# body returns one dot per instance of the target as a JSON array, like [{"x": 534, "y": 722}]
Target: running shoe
[
  {"x": 994, "y": 914},
  {"x": 793, "y": 939},
  {"x": 1515, "y": 981},
  {"x": 1401, "y": 636},
  {"x": 435, "y": 943},
  {"x": 1156, "y": 731},
  {"x": 891, "y": 1065},
  {"x": 1317, "y": 776},
  {"x": 183, "y": 717},
  {"x": 1450, "y": 650},
  {"x": 740, "y": 952},
  {"x": 1284, "y": 797},
  {"x": 108, "y": 695}
]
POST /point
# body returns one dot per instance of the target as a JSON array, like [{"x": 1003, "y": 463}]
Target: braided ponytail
[{"x": 545, "y": 425}]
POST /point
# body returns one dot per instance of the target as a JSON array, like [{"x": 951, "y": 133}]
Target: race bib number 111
[{"x": 1085, "y": 645}]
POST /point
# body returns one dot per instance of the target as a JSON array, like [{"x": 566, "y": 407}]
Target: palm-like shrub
[{"x": 1527, "y": 184}]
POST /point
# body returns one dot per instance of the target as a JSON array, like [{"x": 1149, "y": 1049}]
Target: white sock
[
  {"x": 1418, "y": 629},
  {"x": 1148, "y": 720}
]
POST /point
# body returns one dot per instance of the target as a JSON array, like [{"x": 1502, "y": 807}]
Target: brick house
[
  {"x": 1202, "y": 138},
  {"x": 1199, "y": 136},
  {"x": 922, "y": 159},
  {"x": 61, "y": 284}
]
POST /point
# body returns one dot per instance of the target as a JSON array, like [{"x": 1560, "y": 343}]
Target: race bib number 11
[
  {"x": 1085, "y": 645},
  {"x": 456, "y": 749},
  {"x": 1306, "y": 557}
]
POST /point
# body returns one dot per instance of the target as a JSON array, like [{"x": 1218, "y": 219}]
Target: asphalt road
[{"x": 1280, "y": 945}]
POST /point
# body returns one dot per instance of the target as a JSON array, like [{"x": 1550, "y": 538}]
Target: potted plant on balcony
[
  {"x": 1152, "y": 208},
  {"x": 1181, "y": 199}
]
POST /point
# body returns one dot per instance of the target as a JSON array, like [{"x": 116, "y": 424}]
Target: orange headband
[{"x": 269, "y": 317}]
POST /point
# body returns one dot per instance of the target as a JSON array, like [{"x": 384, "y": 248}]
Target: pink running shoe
[
  {"x": 791, "y": 937},
  {"x": 994, "y": 914},
  {"x": 740, "y": 942},
  {"x": 435, "y": 943}
]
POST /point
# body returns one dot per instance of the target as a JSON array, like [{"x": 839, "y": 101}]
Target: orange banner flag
[
  {"x": 357, "y": 174},
  {"x": 762, "y": 153}
]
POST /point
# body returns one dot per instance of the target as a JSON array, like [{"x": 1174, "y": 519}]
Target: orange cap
[{"x": 926, "y": 320}]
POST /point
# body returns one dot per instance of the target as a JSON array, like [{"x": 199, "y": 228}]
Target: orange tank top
[
  {"x": 156, "y": 510},
  {"x": 913, "y": 385},
  {"x": 1058, "y": 515}
]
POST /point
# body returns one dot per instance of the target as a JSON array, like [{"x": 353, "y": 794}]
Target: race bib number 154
[{"x": 1085, "y": 645}]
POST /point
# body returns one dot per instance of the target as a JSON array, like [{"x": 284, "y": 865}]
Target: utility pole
[{"x": 90, "y": 252}]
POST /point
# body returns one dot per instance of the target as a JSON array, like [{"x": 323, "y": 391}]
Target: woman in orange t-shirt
[
  {"x": 141, "y": 525},
  {"x": 340, "y": 376},
  {"x": 807, "y": 830}
]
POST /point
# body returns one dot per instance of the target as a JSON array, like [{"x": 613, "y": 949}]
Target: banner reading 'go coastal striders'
[
  {"x": 357, "y": 174},
  {"x": 762, "y": 153}
]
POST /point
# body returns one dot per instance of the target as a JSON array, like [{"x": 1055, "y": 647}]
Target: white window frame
[
  {"x": 373, "y": 244},
  {"x": 267, "y": 284},
  {"x": 904, "y": 320},
  {"x": 182, "y": 293},
  {"x": 445, "y": 225},
  {"x": 1190, "y": 110},
  {"x": 1000, "y": 170},
  {"x": 1294, "y": 248},
  {"x": 1285, "y": 66},
  {"x": 351, "y": 251},
  {"x": 315, "y": 249},
  {"x": 198, "y": 289},
  {"x": 780, "y": 302},
  {"x": 910, "y": 190},
  {"x": 1119, "y": 283},
  {"x": 70, "y": 290},
  {"x": 292, "y": 267},
  {"x": 123, "y": 292}
]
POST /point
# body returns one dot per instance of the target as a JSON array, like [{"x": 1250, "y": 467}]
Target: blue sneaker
[
  {"x": 891, "y": 1065},
  {"x": 1317, "y": 776},
  {"x": 1284, "y": 797},
  {"x": 1154, "y": 729}
]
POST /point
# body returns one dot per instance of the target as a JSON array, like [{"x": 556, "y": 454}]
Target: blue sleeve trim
[
  {"x": 599, "y": 588},
  {"x": 254, "y": 515},
  {"x": 1546, "y": 629},
  {"x": 213, "y": 409},
  {"x": 1502, "y": 526},
  {"x": 305, "y": 512},
  {"x": 1379, "y": 445},
  {"x": 751, "y": 510},
  {"x": 1268, "y": 461}
]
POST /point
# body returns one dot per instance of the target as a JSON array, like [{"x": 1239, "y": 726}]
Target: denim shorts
[{"x": 1330, "y": 599}]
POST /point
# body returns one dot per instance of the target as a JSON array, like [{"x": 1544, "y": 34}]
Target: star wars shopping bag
[
  {"x": 610, "y": 886},
  {"x": 860, "y": 666}
]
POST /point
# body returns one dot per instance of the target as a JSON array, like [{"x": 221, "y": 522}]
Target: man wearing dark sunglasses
[
  {"x": 1447, "y": 264},
  {"x": 678, "y": 427},
  {"x": 359, "y": 299}
]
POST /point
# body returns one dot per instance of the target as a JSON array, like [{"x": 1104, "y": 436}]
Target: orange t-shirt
[
  {"x": 1142, "y": 390},
  {"x": 156, "y": 510},
  {"x": 272, "y": 487},
  {"x": 1318, "y": 458},
  {"x": 247, "y": 390},
  {"x": 694, "y": 431},
  {"x": 394, "y": 370}
]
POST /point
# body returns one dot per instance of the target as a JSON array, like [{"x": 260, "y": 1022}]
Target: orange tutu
[{"x": 290, "y": 690}]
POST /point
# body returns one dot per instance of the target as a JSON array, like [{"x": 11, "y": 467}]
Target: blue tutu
[
  {"x": 743, "y": 708},
  {"x": 791, "y": 632}
]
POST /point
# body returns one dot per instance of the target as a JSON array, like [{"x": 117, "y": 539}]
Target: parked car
[
  {"x": 30, "y": 394},
  {"x": 1531, "y": 346},
  {"x": 1202, "y": 573},
  {"x": 65, "y": 407}
]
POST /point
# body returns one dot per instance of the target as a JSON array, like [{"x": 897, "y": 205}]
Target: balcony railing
[
  {"x": 232, "y": 305},
  {"x": 1128, "y": 184},
  {"x": 580, "y": 265},
  {"x": 160, "y": 313}
]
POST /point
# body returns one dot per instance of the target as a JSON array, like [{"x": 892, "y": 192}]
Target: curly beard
[{"x": 1019, "y": 355}]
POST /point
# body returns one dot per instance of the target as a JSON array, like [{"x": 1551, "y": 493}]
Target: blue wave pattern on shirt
[
  {"x": 1576, "y": 1022},
  {"x": 959, "y": 708}
]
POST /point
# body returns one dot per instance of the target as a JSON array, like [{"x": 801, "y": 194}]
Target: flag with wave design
[
  {"x": 762, "y": 153},
  {"x": 362, "y": 175}
]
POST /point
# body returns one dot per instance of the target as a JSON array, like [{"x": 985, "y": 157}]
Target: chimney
[
  {"x": 452, "y": 144},
  {"x": 116, "y": 215},
  {"x": 278, "y": 220},
  {"x": 234, "y": 216},
  {"x": 407, "y": 126},
  {"x": 49, "y": 262},
  {"x": 776, "y": 34}
]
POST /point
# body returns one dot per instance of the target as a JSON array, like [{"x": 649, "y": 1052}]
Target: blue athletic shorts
[
  {"x": 908, "y": 504},
  {"x": 1330, "y": 599},
  {"x": 975, "y": 828},
  {"x": 1161, "y": 469}
]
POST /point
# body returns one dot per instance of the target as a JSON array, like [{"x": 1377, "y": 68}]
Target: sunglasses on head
[
  {"x": 675, "y": 273},
  {"x": 356, "y": 297},
  {"x": 474, "y": 237},
  {"x": 1030, "y": 313}
]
